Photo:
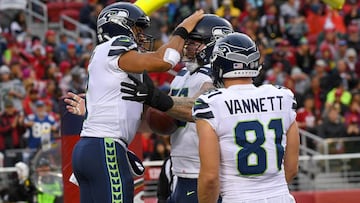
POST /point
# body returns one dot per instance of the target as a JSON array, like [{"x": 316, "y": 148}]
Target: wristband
[{"x": 182, "y": 32}]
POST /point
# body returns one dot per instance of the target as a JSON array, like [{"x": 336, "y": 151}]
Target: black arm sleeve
[{"x": 164, "y": 184}]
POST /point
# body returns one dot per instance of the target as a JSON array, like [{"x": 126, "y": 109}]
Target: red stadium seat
[
  {"x": 72, "y": 13},
  {"x": 74, "y": 5},
  {"x": 54, "y": 9}
]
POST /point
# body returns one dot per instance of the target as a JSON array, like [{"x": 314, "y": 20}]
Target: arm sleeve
[{"x": 164, "y": 184}]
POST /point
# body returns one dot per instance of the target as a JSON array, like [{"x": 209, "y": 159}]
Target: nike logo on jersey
[
  {"x": 140, "y": 94},
  {"x": 190, "y": 193}
]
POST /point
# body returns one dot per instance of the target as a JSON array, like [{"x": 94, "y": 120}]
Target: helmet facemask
[
  {"x": 191, "y": 49},
  {"x": 144, "y": 41}
]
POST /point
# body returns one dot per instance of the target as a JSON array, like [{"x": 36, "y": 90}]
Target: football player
[
  {"x": 248, "y": 135},
  {"x": 192, "y": 79},
  {"x": 100, "y": 158}
]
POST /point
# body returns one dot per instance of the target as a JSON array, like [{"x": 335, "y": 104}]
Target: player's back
[{"x": 251, "y": 124}]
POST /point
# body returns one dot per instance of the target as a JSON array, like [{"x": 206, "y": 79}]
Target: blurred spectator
[
  {"x": 342, "y": 46},
  {"x": 353, "y": 38},
  {"x": 305, "y": 59},
  {"x": 51, "y": 97},
  {"x": 16, "y": 71},
  {"x": 160, "y": 151},
  {"x": 92, "y": 23},
  {"x": 276, "y": 75},
  {"x": 29, "y": 102},
  {"x": 184, "y": 9},
  {"x": 333, "y": 125},
  {"x": 315, "y": 18},
  {"x": 71, "y": 55},
  {"x": 11, "y": 127},
  {"x": 74, "y": 81},
  {"x": 353, "y": 113},
  {"x": 272, "y": 24},
  {"x": 38, "y": 60},
  {"x": 265, "y": 6},
  {"x": 18, "y": 27},
  {"x": 40, "y": 126},
  {"x": 353, "y": 16},
  {"x": 290, "y": 8},
  {"x": 306, "y": 115},
  {"x": 317, "y": 93},
  {"x": 301, "y": 80},
  {"x": 227, "y": 10},
  {"x": 352, "y": 62},
  {"x": 340, "y": 93},
  {"x": 50, "y": 38},
  {"x": 328, "y": 39},
  {"x": 348, "y": 77},
  {"x": 342, "y": 108},
  {"x": 87, "y": 13},
  {"x": 295, "y": 29},
  {"x": 61, "y": 48},
  {"x": 353, "y": 128},
  {"x": 10, "y": 89}
]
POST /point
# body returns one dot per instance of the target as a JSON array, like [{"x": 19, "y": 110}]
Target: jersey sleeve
[
  {"x": 204, "y": 108},
  {"x": 291, "y": 103},
  {"x": 204, "y": 76},
  {"x": 119, "y": 46}
]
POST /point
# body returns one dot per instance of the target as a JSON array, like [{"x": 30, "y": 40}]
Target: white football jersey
[
  {"x": 184, "y": 141},
  {"x": 107, "y": 114},
  {"x": 251, "y": 123}
]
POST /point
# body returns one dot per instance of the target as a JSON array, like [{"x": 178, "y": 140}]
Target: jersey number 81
[{"x": 255, "y": 147}]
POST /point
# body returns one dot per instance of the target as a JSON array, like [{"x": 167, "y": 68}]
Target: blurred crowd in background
[{"x": 306, "y": 46}]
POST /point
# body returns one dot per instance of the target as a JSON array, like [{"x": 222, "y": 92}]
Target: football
[{"x": 159, "y": 122}]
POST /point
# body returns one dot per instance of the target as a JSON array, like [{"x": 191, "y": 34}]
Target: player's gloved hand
[{"x": 145, "y": 92}]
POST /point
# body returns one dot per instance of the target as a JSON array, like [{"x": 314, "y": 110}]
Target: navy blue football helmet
[
  {"x": 119, "y": 19},
  {"x": 206, "y": 32},
  {"x": 236, "y": 55}
]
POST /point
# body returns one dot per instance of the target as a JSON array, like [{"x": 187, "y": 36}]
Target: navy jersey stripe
[
  {"x": 200, "y": 104},
  {"x": 205, "y": 115},
  {"x": 116, "y": 52},
  {"x": 182, "y": 72},
  {"x": 205, "y": 71}
]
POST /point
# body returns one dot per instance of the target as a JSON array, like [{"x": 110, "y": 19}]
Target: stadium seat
[
  {"x": 74, "y": 5},
  {"x": 72, "y": 13},
  {"x": 54, "y": 9}
]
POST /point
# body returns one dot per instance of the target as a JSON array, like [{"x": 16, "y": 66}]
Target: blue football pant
[
  {"x": 185, "y": 191},
  {"x": 101, "y": 168}
]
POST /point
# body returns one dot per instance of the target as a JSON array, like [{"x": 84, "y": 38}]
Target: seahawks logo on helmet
[
  {"x": 117, "y": 16},
  {"x": 219, "y": 32},
  {"x": 235, "y": 55},
  {"x": 118, "y": 19}
]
